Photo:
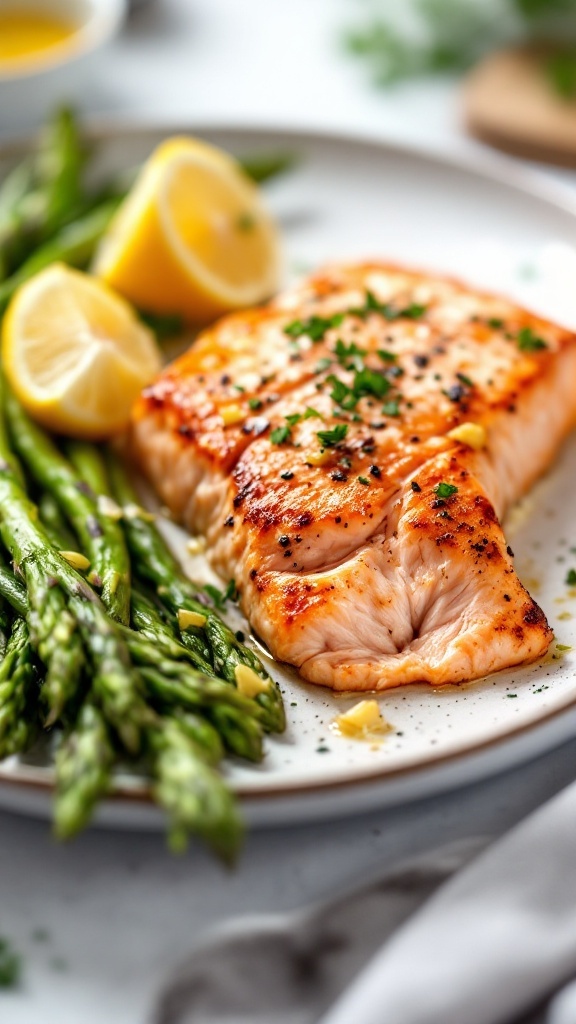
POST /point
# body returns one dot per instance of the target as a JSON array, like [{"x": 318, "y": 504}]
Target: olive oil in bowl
[{"x": 28, "y": 34}]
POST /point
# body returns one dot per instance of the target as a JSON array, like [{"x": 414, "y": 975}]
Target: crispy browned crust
[{"x": 282, "y": 525}]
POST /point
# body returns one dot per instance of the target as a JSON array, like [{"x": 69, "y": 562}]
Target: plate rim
[{"x": 497, "y": 169}]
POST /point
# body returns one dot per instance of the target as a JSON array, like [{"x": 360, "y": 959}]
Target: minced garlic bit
[
  {"x": 133, "y": 511},
  {"x": 76, "y": 560},
  {"x": 472, "y": 434},
  {"x": 108, "y": 507},
  {"x": 363, "y": 722},
  {"x": 187, "y": 618},
  {"x": 249, "y": 682},
  {"x": 318, "y": 458},
  {"x": 196, "y": 545},
  {"x": 231, "y": 414}
]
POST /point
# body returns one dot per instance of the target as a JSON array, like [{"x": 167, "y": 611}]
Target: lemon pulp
[
  {"x": 26, "y": 33},
  {"x": 75, "y": 353},
  {"x": 218, "y": 226},
  {"x": 193, "y": 237}
]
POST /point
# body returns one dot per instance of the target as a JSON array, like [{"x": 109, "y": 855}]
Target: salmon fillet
[{"x": 315, "y": 443}]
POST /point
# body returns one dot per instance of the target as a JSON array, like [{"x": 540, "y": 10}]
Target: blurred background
[{"x": 423, "y": 70}]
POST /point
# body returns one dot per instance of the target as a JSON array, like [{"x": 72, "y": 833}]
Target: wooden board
[{"x": 509, "y": 103}]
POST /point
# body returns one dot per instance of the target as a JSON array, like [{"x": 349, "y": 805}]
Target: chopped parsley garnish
[
  {"x": 315, "y": 327},
  {"x": 386, "y": 356},
  {"x": 571, "y": 578},
  {"x": 391, "y": 408},
  {"x": 10, "y": 965},
  {"x": 412, "y": 312},
  {"x": 312, "y": 414},
  {"x": 293, "y": 419},
  {"x": 351, "y": 356},
  {"x": 388, "y": 311},
  {"x": 341, "y": 393},
  {"x": 220, "y": 597},
  {"x": 465, "y": 380},
  {"x": 330, "y": 438},
  {"x": 495, "y": 322},
  {"x": 528, "y": 341},
  {"x": 280, "y": 434},
  {"x": 444, "y": 490},
  {"x": 255, "y": 403},
  {"x": 364, "y": 480},
  {"x": 370, "y": 382}
]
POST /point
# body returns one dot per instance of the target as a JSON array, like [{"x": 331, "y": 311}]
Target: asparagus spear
[
  {"x": 13, "y": 191},
  {"x": 13, "y": 591},
  {"x": 18, "y": 683},
  {"x": 203, "y": 734},
  {"x": 83, "y": 763},
  {"x": 101, "y": 540},
  {"x": 148, "y": 621},
  {"x": 175, "y": 683},
  {"x": 60, "y": 164},
  {"x": 194, "y": 796},
  {"x": 5, "y": 629},
  {"x": 159, "y": 567},
  {"x": 54, "y": 523},
  {"x": 74, "y": 244},
  {"x": 43, "y": 193}
]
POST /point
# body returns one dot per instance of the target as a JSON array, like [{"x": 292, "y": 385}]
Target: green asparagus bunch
[
  {"x": 127, "y": 670},
  {"x": 146, "y": 687}
]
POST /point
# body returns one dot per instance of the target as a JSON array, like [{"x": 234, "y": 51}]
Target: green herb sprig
[
  {"x": 449, "y": 36},
  {"x": 444, "y": 490},
  {"x": 330, "y": 438}
]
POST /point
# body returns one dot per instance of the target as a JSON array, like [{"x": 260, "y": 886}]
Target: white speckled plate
[{"x": 497, "y": 226}]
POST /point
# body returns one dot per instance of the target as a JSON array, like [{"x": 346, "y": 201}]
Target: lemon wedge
[
  {"x": 193, "y": 236},
  {"x": 75, "y": 353}
]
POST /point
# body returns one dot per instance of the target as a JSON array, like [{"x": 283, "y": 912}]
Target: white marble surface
[{"x": 118, "y": 910}]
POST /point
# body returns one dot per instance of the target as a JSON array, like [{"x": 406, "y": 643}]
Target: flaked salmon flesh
[{"x": 315, "y": 443}]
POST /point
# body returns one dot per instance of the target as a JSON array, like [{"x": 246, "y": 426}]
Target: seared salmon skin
[{"x": 349, "y": 452}]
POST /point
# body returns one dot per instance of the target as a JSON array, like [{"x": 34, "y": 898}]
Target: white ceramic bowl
[{"x": 29, "y": 87}]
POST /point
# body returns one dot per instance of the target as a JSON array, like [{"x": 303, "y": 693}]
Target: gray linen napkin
[
  {"x": 289, "y": 968},
  {"x": 415, "y": 947}
]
